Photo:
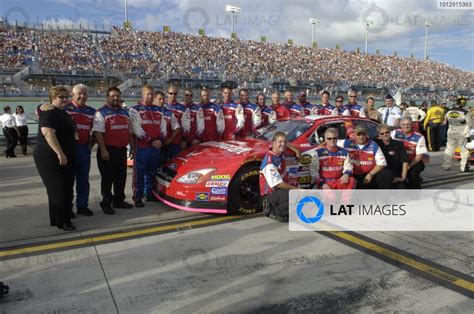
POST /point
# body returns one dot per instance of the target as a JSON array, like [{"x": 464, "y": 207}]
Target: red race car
[{"x": 223, "y": 177}]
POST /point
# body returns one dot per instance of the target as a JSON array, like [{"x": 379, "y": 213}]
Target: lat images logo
[{"x": 315, "y": 203}]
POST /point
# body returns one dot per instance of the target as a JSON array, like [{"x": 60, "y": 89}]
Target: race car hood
[{"x": 226, "y": 157}]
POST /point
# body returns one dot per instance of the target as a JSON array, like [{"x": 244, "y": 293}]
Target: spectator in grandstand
[
  {"x": 21, "y": 119},
  {"x": 111, "y": 130},
  {"x": 10, "y": 131},
  {"x": 83, "y": 117},
  {"x": 233, "y": 115},
  {"x": 355, "y": 109},
  {"x": 55, "y": 157},
  {"x": 281, "y": 110},
  {"x": 331, "y": 166},
  {"x": 196, "y": 127},
  {"x": 183, "y": 117},
  {"x": 155, "y": 54},
  {"x": 252, "y": 114},
  {"x": 149, "y": 132},
  {"x": 372, "y": 113},
  {"x": 369, "y": 164},
  {"x": 415, "y": 147},
  {"x": 431, "y": 124},
  {"x": 272, "y": 186},
  {"x": 391, "y": 114},
  {"x": 340, "y": 109},
  {"x": 395, "y": 155},
  {"x": 214, "y": 122},
  {"x": 325, "y": 108}
]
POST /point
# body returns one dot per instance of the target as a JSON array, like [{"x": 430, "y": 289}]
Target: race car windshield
[{"x": 292, "y": 128}]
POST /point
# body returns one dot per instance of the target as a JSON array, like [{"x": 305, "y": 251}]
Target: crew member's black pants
[
  {"x": 113, "y": 173},
  {"x": 59, "y": 182},
  {"x": 414, "y": 176},
  {"x": 279, "y": 200},
  {"x": 432, "y": 133},
  {"x": 12, "y": 138},
  {"x": 382, "y": 180},
  {"x": 23, "y": 138}
]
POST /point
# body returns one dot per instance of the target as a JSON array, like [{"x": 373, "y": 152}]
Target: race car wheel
[{"x": 244, "y": 191}]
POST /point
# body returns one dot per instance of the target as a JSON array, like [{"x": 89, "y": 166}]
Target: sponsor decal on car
[
  {"x": 293, "y": 171},
  {"x": 305, "y": 159},
  {"x": 202, "y": 196},
  {"x": 304, "y": 180},
  {"x": 253, "y": 159},
  {"x": 217, "y": 198},
  {"x": 228, "y": 147},
  {"x": 218, "y": 177},
  {"x": 218, "y": 191},
  {"x": 250, "y": 174},
  {"x": 217, "y": 184}
]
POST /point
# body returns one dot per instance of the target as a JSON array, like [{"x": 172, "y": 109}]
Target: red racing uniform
[
  {"x": 363, "y": 157},
  {"x": 234, "y": 120},
  {"x": 253, "y": 119},
  {"x": 214, "y": 123},
  {"x": 83, "y": 116},
  {"x": 183, "y": 117},
  {"x": 282, "y": 112},
  {"x": 272, "y": 171},
  {"x": 147, "y": 126},
  {"x": 326, "y": 110},
  {"x": 196, "y": 124},
  {"x": 310, "y": 109},
  {"x": 296, "y": 110},
  {"x": 414, "y": 143},
  {"x": 329, "y": 165},
  {"x": 269, "y": 116},
  {"x": 356, "y": 110},
  {"x": 114, "y": 123}
]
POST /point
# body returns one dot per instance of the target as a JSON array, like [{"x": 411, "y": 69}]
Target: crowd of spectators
[{"x": 168, "y": 53}]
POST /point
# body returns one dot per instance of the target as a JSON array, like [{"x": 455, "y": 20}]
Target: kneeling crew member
[
  {"x": 395, "y": 154},
  {"x": 368, "y": 161},
  {"x": 331, "y": 165},
  {"x": 271, "y": 178},
  {"x": 415, "y": 146}
]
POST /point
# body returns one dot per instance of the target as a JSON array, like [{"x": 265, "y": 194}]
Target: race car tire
[{"x": 244, "y": 191}]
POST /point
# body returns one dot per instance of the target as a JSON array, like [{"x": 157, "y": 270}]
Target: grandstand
[{"x": 33, "y": 59}]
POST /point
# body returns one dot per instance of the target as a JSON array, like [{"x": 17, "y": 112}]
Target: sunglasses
[
  {"x": 384, "y": 133},
  {"x": 63, "y": 97},
  {"x": 189, "y": 95},
  {"x": 338, "y": 100},
  {"x": 352, "y": 96},
  {"x": 331, "y": 138},
  {"x": 172, "y": 93}
]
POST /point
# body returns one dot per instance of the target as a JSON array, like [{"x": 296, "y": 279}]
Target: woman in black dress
[{"x": 55, "y": 157}]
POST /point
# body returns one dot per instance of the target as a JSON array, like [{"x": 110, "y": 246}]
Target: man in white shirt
[
  {"x": 391, "y": 114},
  {"x": 10, "y": 131}
]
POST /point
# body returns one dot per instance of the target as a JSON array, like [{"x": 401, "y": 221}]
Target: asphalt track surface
[{"x": 157, "y": 259}]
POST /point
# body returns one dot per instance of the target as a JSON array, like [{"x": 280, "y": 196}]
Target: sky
[{"x": 397, "y": 25}]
